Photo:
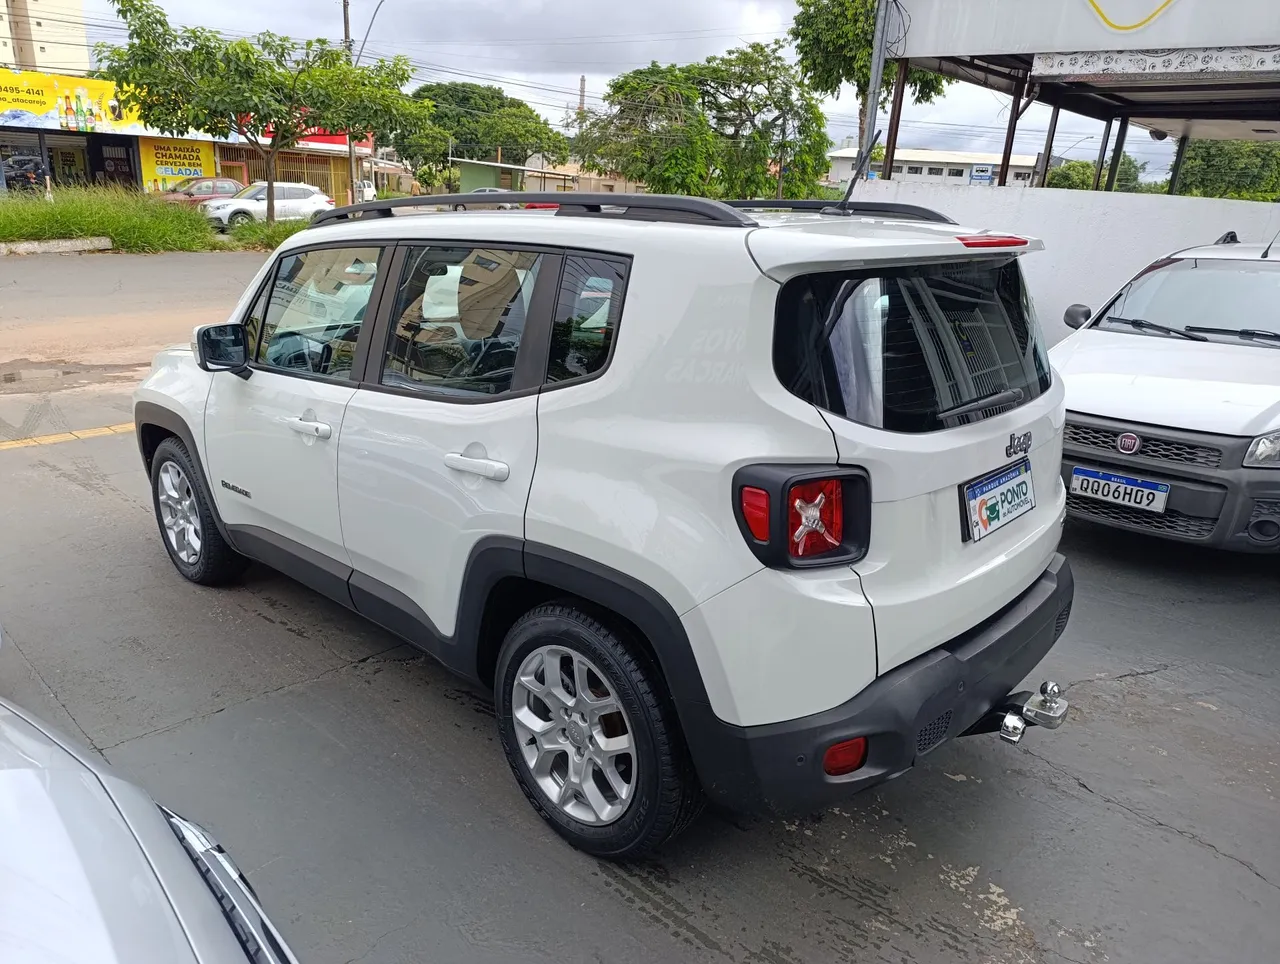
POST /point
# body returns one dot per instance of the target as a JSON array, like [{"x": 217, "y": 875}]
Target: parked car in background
[
  {"x": 365, "y": 191},
  {"x": 293, "y": 202},
  {"x": 485, "y": 204},
  {"x": 1173, "y": 400},
  {"x": 95, "y": 872},
  {"x": 23, "y": 173},
  {"x": 197, "y": 190}
]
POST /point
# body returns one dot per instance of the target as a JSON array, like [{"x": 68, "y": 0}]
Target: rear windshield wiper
[
  {"x": 1010, "y": 396},
  {"x": 1143, "y": 325},
  {"x": 1242, "y": 332}
]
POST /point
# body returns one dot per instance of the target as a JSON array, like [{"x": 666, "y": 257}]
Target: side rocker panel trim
[{"x": 313, "y": 569}]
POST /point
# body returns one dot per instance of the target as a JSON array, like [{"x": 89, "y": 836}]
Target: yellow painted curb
[{"x": 122, "y": 428}]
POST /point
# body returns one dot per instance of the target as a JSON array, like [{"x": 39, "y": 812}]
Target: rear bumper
[
  {"x": 1214, "y": 501},
  {"x": 904, "y": 714}
]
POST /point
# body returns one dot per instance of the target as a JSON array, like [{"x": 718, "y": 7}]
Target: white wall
[{"x": 1094, "y": 241}]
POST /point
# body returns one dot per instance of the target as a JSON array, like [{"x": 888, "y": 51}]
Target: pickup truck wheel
[
  {"x": 591, "y": 737},
  {"x": 187, "y": 526}
]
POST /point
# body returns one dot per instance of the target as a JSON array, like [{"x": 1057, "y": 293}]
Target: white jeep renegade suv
[{"x": 754, "y": 506}]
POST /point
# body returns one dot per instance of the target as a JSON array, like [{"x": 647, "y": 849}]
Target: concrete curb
[{"x": 63, "y": 246}]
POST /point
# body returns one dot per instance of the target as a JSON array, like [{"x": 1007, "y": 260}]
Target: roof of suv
[
  {"x": 665, "y": 225},
  {"x": 1227, "y": 252}
]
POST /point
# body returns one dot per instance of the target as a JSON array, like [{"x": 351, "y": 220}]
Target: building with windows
[
  {"x": 942, "y": 167},
  {"x": 73, "y": 129},
  {"x": 44, "y": 35}
]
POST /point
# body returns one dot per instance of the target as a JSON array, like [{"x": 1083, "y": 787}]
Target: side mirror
[
  {"x": 222, "y": 348},
  {"x": 1077, "y": 315}
]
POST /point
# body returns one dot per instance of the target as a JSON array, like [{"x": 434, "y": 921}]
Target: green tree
[
  {"x": 652, "y": 129},
  {"x": 1232, "y": 169},
  {"x": 1078, "y": 175},
  {"x": 772, "y": 132},
  {"x": 741, "y": 124},
  {"x": 833, "y": 40},
  {"x": 270, "y": 90},
  {"x": 517, "y": 130},
  {"x": 1072, "y": 175},
  {"x": 480, "y": 119},
  {"x": 428, "y": 147}
]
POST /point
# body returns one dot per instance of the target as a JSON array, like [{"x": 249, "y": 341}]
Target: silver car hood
[{"x": 75, "y": 886}]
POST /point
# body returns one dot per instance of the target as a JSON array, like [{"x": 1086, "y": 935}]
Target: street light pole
[
  {"x": 351, "y": 144},
  {"x": 355, "y": 62},
  {"x": 360, "y": 53}
]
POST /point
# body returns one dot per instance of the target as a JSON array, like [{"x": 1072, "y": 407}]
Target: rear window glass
[{"x": 898, "y": 348}]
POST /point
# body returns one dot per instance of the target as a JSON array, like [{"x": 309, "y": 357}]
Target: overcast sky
[{"x": 537, "y": 49}]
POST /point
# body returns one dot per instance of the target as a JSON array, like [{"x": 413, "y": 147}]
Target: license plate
[
  {"x": 1120, "y": 489},
  {"x": 995, "y": 500}
]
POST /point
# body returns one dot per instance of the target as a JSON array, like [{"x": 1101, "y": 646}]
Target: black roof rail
[
  {"x": 1229, "y": 238},
  {"x": 628, "y": 207},
  {"x": 877, "y": 209}
]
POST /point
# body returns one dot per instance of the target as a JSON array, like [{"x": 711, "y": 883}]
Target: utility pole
[
  {"x": 351, "y": 144},
  {"x": 875, "y": 81}
]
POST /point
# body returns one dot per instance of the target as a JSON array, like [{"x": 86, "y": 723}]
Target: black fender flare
[
  {"x": 148, "y": 414},
  {"x": 709, "y": 739}
]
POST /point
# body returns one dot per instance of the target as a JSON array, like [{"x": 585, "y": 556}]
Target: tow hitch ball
[{"x": 1048, "y": 708}]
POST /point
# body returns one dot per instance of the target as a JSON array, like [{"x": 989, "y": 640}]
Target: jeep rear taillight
[
  {"x": 815, "y": 517},
  {"x": 797, "y": 516},
  {"x": 754, "y": 504}
]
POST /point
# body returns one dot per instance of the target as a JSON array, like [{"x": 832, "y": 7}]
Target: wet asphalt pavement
[{"x": 363, "y": 790}]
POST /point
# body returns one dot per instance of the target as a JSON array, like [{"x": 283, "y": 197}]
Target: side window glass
[
  {"x": 315, "y": 309},
  {"x": 586, "y": 319},
  {"x": 227, "y": 187},
  {"x": 203, "y": 189},
  {"x": 458, "y": 319},
  {"x": 253, "y": 321}
]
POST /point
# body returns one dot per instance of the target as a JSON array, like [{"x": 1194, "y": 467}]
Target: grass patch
[
  {"x": 260, "y": 236},
  {"x": 133, "y": 221}
]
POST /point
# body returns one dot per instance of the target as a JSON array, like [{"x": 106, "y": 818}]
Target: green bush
[
  {"x": 132, "y": 220},
  {"x": 260, "y": 236}
]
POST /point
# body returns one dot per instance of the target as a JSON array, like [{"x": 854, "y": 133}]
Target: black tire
[
  {"x": 239, "y": 218},
  {"x": 459, "y": 207},
  {"x": 217, "y": 563},
  {"x": 667, "y": 795}
]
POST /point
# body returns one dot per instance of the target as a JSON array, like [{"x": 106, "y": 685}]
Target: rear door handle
[
  {"x": 308, "y": 427},
  {"x": 485, "y": 468}
]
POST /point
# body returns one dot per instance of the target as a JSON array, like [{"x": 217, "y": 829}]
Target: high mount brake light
[{"x": 991, "y": 241}]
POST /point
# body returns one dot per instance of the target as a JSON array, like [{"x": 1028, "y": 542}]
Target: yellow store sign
[
  {"x": 58, "y": 102},
  {"x": 166, "y": 161}
]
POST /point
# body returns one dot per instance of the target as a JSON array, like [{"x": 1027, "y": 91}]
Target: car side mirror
[
  {"x": 1077, "y": 315},
  {"x": 223, "y": 348}
]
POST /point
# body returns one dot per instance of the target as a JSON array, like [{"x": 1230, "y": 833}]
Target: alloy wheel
[
  {"x": 178, "y": 513},
  {"x": 574, "y": 735}
]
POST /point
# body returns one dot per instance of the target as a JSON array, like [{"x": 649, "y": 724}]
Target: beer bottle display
[{"x": 72, "y": 122}]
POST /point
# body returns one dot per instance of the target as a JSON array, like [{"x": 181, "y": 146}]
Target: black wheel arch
[{"x": 154, "y": 423}]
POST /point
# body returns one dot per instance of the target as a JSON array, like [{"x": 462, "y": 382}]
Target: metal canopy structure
[{"x": 1180, "y": 68}]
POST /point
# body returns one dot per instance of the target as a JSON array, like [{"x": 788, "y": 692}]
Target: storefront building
[{"x": 73, "y": 130}]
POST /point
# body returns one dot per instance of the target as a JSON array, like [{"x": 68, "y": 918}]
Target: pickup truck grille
[{"x": 1153, "y": 448}]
